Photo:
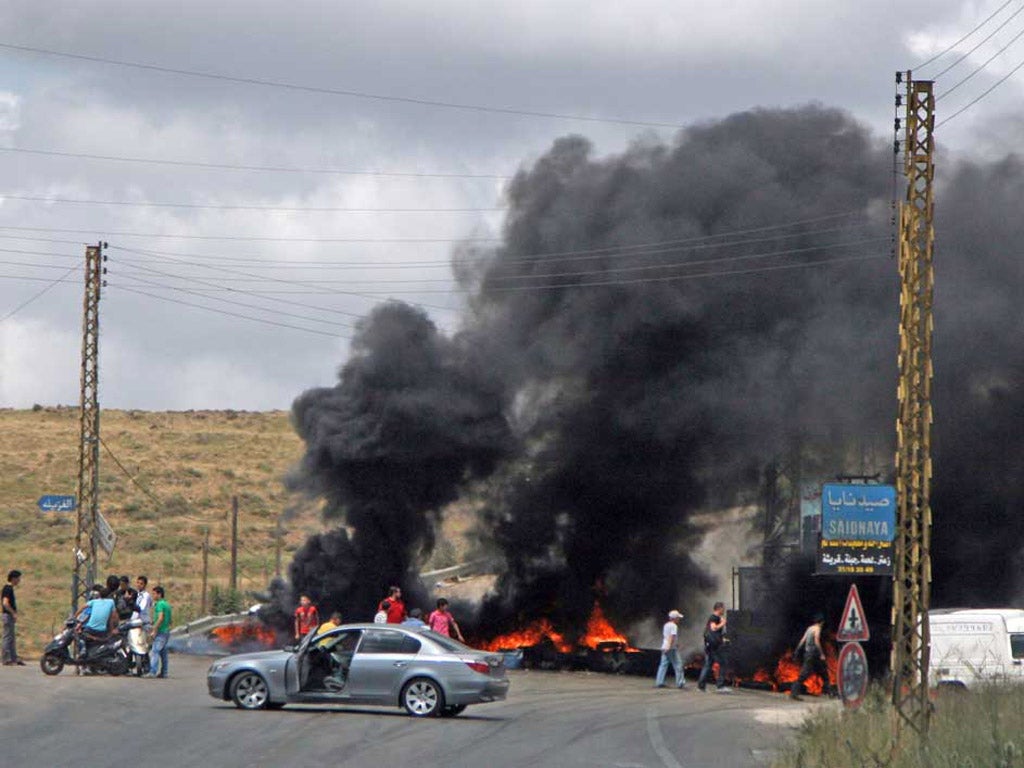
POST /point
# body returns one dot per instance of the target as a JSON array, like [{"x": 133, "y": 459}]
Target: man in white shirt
[
  {"x": 140, "y": 635},
  {"x": 670, "y": 651}
]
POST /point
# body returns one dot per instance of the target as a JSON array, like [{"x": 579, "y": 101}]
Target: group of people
[
  {"x": 390, "y": 610},
  {"x": 809, "y": 651},
  {"x": 714, "y": 650},
  {"x": 118, "y": 601}
]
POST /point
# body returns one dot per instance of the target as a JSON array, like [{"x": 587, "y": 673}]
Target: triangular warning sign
[{"x": 854, "y": 625}]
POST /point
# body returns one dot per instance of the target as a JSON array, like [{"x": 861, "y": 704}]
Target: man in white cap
[{"x": 670, "y": 651}]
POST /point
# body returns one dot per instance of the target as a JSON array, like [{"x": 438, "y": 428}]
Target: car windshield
[{"x": 446, "y": 642}]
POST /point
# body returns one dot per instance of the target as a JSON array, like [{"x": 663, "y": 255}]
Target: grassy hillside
[{"x": 190, "y": 463}]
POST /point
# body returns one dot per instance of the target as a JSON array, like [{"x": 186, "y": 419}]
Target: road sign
[
  {"x": 106, "y": 539},
  {"x": 854, "y": 624},
  {"x": 55, "y": 503},
  {"x": 858, "y": 526},
  {"x": 853, "y": 675}
]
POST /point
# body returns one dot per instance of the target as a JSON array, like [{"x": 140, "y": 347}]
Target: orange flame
[
  {"x": 787, "y": 671},
  {"x": 599, "y": 630},
  {"x": 534, "y": 634},
  {"x": 250, "y": 632}
]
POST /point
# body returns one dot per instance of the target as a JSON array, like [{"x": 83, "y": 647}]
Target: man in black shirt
[
  {"x": 10, "y": 617},
  {"x": 714, "y": 648}
]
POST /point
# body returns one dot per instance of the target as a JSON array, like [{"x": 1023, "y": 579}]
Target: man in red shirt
[
  {"x": 396, "y": 611},
  {"x": 307, "y": 617}
]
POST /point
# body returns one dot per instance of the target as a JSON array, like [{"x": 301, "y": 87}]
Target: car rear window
[
  {"x": 383, "y": 641},
  {"x": 447, "y": 643}
]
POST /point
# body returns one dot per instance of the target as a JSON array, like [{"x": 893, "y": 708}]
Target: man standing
[
  {"x": 670, "y": 651},
  {"x": 714, "y": 648},
  {"x": 814, "y": 658},
  {"x": 396, "y": 608},
  {"x": 415, "y": 620},
  {"x": 442, "y": 621},
  {"x": 161, "y": 634},
  {"x": 10, "y": 618},
  {"x": 144, "y": 613},
  {"x": 306, "y": 617}
]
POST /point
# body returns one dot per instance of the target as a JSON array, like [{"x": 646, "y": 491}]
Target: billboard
[{"x": 858, "y": 527}]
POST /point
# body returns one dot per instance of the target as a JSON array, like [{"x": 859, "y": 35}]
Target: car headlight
[{"x": 217, "y": 666}]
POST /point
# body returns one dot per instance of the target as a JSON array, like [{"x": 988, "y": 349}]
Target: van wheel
[{"x": 422, "y": 697}]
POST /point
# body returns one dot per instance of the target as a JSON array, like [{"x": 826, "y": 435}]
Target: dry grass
[
  {"x": 192, "y": 462},
  {"x": 979, "y": 729}
]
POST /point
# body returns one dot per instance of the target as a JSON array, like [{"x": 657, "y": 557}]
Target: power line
[
  {"x": 942, "y": 53},
  {"x": 984, "y": 40},
  {"x": 975, "y": 100},
  {"x": 335, "y": 91},
  {"x": 40, "y": 293},
  {"x": 988, "y": 61},
  {"x": 231, "y": 314},
  {"x": 279, "y": 279},
  {"x": 238, "y": 238},
  {"x": 261, "y": 168},
  {"x": 583, "y": 273},
  {"x": 703, "y": 241},
  {"x": 228, "y": 207}
]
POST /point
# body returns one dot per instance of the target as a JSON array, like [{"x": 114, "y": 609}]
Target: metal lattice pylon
[
  {"x": 912, "y": 577},
  {"x": 89, "y": 422}
]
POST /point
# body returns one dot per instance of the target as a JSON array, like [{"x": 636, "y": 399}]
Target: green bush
[{"x": 225, "y": 600}]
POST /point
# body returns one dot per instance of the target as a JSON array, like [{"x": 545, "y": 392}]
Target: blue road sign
[{"x": 53, "y": 503}]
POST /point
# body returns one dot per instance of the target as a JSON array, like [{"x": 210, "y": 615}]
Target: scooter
[
  {"x": 138, "y": 648},
  {"x": 109, "y": 656}
]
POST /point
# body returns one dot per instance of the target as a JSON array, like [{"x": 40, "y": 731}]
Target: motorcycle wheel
[
  {"x": 51, "y": 664},
  {"x": 117, "y": 665}
]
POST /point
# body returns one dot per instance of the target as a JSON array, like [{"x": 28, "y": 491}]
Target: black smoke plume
[
  {"x": 607, "y": 392},
  {"x": 387, "y": 447}
]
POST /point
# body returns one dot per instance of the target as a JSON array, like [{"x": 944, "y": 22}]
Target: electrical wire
[
  {"x": 984, "y": 40},
  {"x": 334, "y": 91},
  {"x": 231, "y": 314},
  {"x": 988, "y": 61},
  {"x": 978, "y": 98},
  {"x": 942, "y": 53},
  {"x": 41, "y": 293},
  {"x": 218, "y": 207},
  {"x": 583, "y": 273},
  {"x": 261, "y": 168},
  {"x": 248, "y": 239},
  {"x": 650, "y": 249}
]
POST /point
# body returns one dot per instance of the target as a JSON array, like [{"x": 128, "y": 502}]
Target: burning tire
[
  {"x": 422, "y": 697},
  {"x": 249, "y": 691},
  {"x": 51, "y": 664}
]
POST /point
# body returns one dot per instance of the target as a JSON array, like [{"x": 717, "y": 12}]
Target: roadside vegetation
[
  {"x": 178, "y": 473},
  {"x": 983, "y": 728}
]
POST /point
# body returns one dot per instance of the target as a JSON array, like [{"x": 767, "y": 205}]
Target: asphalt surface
[{"x": 549, "y": 719}]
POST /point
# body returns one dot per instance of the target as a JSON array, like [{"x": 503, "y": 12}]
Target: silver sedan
[{"x": 378, "y": 664}]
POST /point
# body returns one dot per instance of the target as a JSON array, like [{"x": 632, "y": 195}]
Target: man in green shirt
[{"x": 161, "y": 634}]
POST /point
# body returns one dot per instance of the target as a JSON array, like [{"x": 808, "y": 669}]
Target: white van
[{"x": 970, "y": 646}]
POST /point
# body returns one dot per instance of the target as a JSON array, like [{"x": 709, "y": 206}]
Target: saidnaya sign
[{"x": 858, "y": 527}]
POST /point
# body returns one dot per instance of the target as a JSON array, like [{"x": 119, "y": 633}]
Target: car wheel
[
  {"x": 249, "y": 691},
  {"x": 422, "y": 697},
  {"x": 453, "y": 711},
  {"x": 51, "y": 664}
]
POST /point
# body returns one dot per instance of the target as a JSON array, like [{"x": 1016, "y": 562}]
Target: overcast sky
[{"x": 649, "y": 61}]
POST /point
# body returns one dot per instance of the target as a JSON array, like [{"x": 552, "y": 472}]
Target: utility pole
[
  {"x": 89, "y": 429},
  {"x": 234, "y": 544},
  {"x": 912, "y": 577},
  {"x": 278, "y": 536},
  {"x": 206, "y": 570}
]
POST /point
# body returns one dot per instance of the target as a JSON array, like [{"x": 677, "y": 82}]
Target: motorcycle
[{"x": 109, "y": 655}]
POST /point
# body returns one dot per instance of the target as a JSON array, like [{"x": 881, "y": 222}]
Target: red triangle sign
[{"x": 854, "y": 625}]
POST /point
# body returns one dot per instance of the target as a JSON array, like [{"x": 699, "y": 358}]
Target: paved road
[{"x": 550, "y": 719}]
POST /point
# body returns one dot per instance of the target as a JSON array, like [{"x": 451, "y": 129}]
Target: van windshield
[{"x": 1017, "y": 646}]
